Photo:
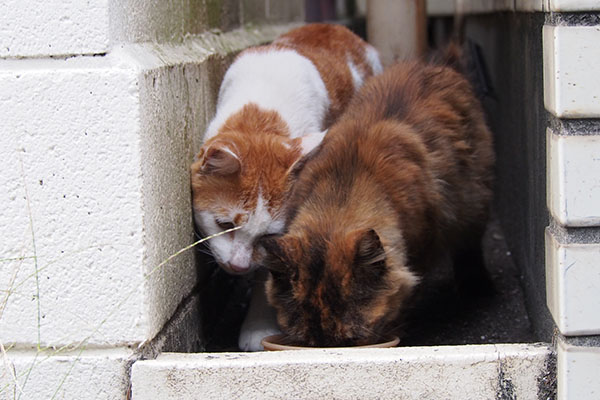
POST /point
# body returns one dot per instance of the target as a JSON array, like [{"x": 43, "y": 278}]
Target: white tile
[
  {"x": 445, "y": 372},
  {"x": 573, "y": 179},
  {"x": 571, "y": 59},
  {"x": 572, "y": 5},
  {"x": 573, "y": 286},
  {"x": 578, "y": 370}
]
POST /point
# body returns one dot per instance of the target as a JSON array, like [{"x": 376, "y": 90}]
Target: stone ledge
[{"x": 455, "y": 372}]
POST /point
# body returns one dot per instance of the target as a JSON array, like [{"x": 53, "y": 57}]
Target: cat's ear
[
  {"x": 309, "y": 142},
  {"x": 219, "y": 159},
  {"x": 280, "y": 250},
  {"x": 308, "y": 146},
  {"x": 369, "y": 253}
]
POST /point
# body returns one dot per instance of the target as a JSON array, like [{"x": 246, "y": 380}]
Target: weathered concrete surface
[
  {"x": 30, "y": 28},
  {"x": 96, "y": 171},
  {"x": 465, "y": 372},
  {"x": 80, "y": 374}
]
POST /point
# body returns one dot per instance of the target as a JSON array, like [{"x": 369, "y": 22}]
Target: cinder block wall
[
  {"x": 544, "y": 105},
  {"x": 572, "y": 98},
  {"x": 103, "y": 106}
]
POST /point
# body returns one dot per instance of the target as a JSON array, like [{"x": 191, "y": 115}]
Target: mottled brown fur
[{"x": 402, "y": 178}]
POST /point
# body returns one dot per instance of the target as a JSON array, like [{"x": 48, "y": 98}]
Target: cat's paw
[{"x": 249, "y": 339}]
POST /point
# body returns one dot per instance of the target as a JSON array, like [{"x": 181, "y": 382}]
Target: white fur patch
[
  {"x": 280, "y": 80},
  {"x": 372, "y": 57},
  {"x": 357, "y": 77}
]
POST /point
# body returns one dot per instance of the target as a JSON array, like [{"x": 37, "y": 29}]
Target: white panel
[
  {"x": 578, "y": 371},
  {"x": 571, "y": 58},
  {"x": 573, "y": 286},
  {"x": 573, "y": 169}
]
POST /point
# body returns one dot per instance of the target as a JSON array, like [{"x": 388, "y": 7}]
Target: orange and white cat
[{"x": 275, "y": 103}]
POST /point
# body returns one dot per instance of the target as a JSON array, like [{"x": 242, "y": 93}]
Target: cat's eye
[{"x": 225, "y": 225}]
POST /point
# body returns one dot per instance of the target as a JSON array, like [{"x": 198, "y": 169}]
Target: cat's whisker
[{"x": 203, "y": 251}]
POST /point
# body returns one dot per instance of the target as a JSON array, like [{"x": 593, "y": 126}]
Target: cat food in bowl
[{"x": 281, "y": 342}]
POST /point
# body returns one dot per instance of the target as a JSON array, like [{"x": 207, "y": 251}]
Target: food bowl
[{"x": 281, "y": 342}]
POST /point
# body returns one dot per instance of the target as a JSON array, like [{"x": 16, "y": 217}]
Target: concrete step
[{"x": 494, "y": 371}]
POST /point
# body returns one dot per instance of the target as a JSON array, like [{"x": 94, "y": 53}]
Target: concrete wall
[
  {"x": 511, "y": 45},
  {"x": 104, "y": 105},
  {"x": 543, "y": 107},
  {"x": 572, "y": 98}
]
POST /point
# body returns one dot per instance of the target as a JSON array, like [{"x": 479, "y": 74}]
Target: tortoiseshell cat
[{"x": 401, "y": 180}]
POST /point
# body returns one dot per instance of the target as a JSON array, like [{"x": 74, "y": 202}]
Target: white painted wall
[
  {"x": 571, "y": 90},
  {"x": 31, "y": 28},
  {"x": 71, "y": 166}
]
